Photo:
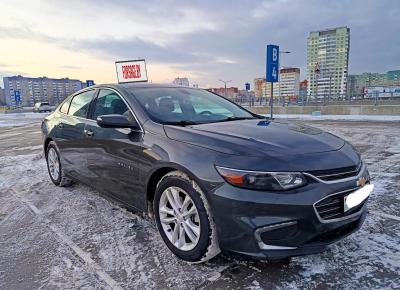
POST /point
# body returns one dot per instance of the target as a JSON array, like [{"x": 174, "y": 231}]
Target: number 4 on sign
[{"x": 274, "y": 72}]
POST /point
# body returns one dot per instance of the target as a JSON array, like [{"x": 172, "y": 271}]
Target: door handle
[
  {"x": 60, "y": 125},
  {"x": 89, "y": 133}
]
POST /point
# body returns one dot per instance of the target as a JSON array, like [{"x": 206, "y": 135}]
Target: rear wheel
[
  {"x": 184, "y": 219},
  {"x": 54, "y": 166}
]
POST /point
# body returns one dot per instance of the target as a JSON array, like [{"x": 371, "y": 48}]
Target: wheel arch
[
  {"x": 156, "y": 176},
  {"x": 46, "y": 144}
]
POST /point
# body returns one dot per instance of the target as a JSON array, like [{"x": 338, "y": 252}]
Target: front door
[{"x": 115, "y": 156}]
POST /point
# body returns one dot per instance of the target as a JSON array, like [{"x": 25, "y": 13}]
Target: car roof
[{"x": 141, "y": 85}]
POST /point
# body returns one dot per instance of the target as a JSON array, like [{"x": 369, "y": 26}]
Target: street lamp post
[
  {"x": 279, "y": 75},
  {"x": 225, "y": 82}
]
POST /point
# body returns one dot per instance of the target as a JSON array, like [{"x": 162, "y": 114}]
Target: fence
[{"x": 318, "y": 101}]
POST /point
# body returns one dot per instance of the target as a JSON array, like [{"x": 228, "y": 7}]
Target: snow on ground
[
  {"x": 69, "y": 238},
  {"x": 21, "y": 119},
  {"x": 337, "y": 117}
]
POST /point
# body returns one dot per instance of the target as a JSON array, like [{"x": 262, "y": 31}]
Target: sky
[{"x": 205, "y": 41}]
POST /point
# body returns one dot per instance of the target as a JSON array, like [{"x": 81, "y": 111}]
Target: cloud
[{"x": 210, "y": 39}]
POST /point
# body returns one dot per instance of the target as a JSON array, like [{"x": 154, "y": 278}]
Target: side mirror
[{"x": 116, "y": 121}]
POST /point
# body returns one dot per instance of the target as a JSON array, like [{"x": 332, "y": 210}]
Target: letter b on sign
[{"x": 274, "y": 54}]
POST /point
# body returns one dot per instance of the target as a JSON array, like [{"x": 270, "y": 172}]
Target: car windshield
[
  {"x": 44, "y": 104},
  {"x": 185, "y": 106}
]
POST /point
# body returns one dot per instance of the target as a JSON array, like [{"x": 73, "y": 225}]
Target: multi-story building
[
  {"x": 357, "y": 83},
  {"x": 393, "y": 78},
  {"x": 181, "y": 82},
  {"x": 231, "y": 92},
  {"x": 327, "y": 62},
  {"x": 287, "y": 87},
  {"x": 2, "y": 97},
  {"x": 32, "y": 90},
  {"x": 259, "y": 87}
]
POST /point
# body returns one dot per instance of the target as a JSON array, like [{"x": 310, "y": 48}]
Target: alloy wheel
[
  {"x": 179, "y": 218},
  {"x": 54, "y": 164}
]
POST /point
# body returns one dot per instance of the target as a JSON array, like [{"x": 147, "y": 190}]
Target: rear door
[
  {"x": 115, "y": 156},
  {"x": 70, "y": 134}
]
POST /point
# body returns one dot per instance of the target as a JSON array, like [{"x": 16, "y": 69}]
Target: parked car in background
[
  {"x": 214, "y": 176},
  {"x": 42, "y": 107}
]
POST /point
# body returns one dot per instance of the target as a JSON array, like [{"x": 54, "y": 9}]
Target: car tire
[
  {"x": 198, "y": 245},
  {"x": 54, "y": 166}
]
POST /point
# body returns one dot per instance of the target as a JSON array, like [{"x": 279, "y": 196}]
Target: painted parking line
[
  {"x": 66, "y": 240},
  {"x": 385, "y": 215}
]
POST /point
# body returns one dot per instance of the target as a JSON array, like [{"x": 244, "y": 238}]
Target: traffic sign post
[
  {"x": 17, "y": 98},
  {"x": 272, "y": 70}
]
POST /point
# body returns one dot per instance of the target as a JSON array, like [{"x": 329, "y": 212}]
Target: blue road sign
[
  {"x": 89, "y": 83},
  {"x": 272, "y": 63},
  {"x": 17, "y": 97},
  {"x": 247, "y": 86}
]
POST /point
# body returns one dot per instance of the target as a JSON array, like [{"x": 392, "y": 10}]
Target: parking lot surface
[{"x": 76, "y": 238}]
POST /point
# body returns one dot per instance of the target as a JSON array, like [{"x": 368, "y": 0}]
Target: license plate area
[{"x": 357, "y": 197}]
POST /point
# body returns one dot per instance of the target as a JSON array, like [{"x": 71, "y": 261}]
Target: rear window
[
  {"x": 44, "y": 104},
  {"x": 65, "y": 106}
]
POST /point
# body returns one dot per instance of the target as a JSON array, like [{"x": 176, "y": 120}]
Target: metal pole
[
  {"x": 272, "y": 100},
  {"x": 225, "y": 82}
]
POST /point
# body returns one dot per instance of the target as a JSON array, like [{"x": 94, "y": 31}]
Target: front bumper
[{"x": 278, "y": 225}]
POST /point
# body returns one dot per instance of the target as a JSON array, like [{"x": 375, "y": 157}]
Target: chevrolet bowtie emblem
[{"x": 361, "y": 181}]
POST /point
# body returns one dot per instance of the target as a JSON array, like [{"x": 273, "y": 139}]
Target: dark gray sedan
[{"x": 214, "y": 176}]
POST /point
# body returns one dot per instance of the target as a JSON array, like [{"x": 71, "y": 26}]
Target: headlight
[{"x": 262, "y": 180}]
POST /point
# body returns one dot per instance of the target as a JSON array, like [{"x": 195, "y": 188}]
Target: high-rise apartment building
[
  {"x": 327, "y": 62},
  {"x": 32, "y": 90}
]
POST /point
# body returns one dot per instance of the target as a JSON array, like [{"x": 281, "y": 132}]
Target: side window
[
  {"x": 80, "y": 104},
  {"x": 64, "y": 107},
  {"x": 109, "y": 102}
]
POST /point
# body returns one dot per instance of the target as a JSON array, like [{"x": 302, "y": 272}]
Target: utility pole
[{"x": 225, "y": 82}]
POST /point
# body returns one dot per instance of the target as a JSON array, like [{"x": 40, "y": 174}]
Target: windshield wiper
[
  {"x": 181, "y": 123},
  {"x": 235, "y": 119}
]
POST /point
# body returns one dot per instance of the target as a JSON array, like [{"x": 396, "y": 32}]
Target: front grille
[
  {"x": 337, "y": 173},
  {"x": 332, "y": 207}
]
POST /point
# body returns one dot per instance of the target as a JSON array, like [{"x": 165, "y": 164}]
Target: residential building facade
[
  {"x": 288, "y": 86},
  {"x": 181, "y": 82},
  {"x": 289, "y": 83},
  {"x": 231, "y": 92},
  {"x": 259, "y": 87},
  {"x": 327, "y": 62},
  {"x": 32, "y": 90},
  {"x": 357, "y": 83}
]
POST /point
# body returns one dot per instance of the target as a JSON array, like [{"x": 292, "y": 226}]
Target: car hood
[{"x": 256, "y": 137}]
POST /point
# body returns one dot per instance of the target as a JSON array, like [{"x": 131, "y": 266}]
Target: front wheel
[{"x": 184, "y": 219}]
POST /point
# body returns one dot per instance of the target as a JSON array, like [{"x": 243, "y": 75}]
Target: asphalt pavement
[{"x": 77, "y": 238}]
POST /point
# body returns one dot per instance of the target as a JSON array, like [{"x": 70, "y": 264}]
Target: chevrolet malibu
[{"x": 214, "y": 176}]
